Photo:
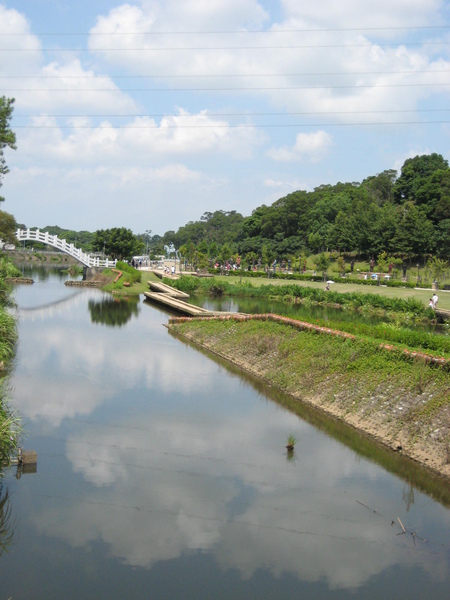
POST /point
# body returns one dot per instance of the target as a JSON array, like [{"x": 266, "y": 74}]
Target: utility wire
[
  {"x": 232, "y": 89},
  {"x": 185, "y": 48},
  {"x": 244, "y": 126},
  {"x": 216, "y": 75},
  {"x": 249, "y": 31},
  {"x": 236, "y": 114}
]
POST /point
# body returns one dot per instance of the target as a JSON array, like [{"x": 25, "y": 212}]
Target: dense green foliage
[
  {"x": 117, "y": 242},
  {"x": 9, "y": 425},
  {"x": 134, "y": 275},
  {"x": 407, "y": 217},
  {"x": 8, "y": 227},
  {"x": 7, "y": 136},
  {"x": 218, "y": 228}
]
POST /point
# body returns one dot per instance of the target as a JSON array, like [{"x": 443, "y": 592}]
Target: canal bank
[{"x": 400, "y": 400}]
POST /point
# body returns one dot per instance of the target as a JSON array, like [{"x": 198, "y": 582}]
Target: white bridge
[{"x": 53, "y": 240}]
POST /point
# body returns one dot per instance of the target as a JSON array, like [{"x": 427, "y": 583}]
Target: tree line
[{"x": 407, "y": 216}]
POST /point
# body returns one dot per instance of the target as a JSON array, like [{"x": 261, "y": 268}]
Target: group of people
[
  {"x": 169, "y": 271},
  {"x": 433, "y": 301}
]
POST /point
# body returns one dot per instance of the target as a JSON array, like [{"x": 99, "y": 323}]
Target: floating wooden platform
[
  {"x": 443, "y": 314},
  {"x": 176, "y": 304},
  {"x": 162, "y": 288}
]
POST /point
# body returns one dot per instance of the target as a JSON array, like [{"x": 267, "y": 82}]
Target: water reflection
[
  {"x": 157, "y": 501},
  {"x": 114, "y": 312},
  {"x": 6, "y": 521},
  {"x": 150, "y": 454}
]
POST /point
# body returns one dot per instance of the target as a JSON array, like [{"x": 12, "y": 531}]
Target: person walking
[{"x": 435, "y": 300}]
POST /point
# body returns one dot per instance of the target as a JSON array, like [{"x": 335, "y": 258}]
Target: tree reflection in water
[
  {"x": 114, "y": 312},
  {"x": 6, "y": 522}
]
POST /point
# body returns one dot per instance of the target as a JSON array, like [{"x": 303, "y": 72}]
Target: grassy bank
[
  {"x": 293, "y": 292},
  {"x": 9, "y": 423},
  {"x": 403, "y": 293},
  {"x": 400, "y": 401}
]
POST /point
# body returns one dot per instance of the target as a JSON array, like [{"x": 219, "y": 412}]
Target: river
[{"x": 162, "y": 473}]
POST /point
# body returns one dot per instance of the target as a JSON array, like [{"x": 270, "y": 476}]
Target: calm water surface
[{"x": 163, "y": 474}]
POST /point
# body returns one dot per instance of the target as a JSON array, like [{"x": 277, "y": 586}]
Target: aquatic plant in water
[{"x": 291, "y": 441}]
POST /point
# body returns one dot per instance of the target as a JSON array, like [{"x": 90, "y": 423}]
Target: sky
[{"x": 147, "y": 114}]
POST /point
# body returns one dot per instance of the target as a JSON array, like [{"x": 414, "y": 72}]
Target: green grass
[
  {"x": 422, "y": 295},
  {"x": 9, "y": 423}
]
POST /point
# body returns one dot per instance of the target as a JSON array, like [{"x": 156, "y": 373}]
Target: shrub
[{"x": 134, "y": 275}]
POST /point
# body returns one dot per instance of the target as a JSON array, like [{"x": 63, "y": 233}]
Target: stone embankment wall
[
  {"x": 88, "y": 283},
  {"x": 26, "y": 280}
]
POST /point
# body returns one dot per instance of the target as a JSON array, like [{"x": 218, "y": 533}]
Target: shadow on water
[{"x": 405, "y": 468}]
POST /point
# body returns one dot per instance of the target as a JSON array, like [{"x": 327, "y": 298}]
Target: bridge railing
[{"x": 53, "y": 240}]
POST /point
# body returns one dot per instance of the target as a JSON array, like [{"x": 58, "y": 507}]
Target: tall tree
[
  {"x": 117, "y": 242},
  {"x": 8, "y": 227},
  {"x": 7, "y": 136},
  {"x": 415, "y": 171}
]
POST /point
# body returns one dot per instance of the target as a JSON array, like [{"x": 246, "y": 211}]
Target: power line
[
  {"x": 217, "y": 75},
  {"x": 243, "y": 126},
  {"x": 236, "y": 114},
  {"x": 228, "y": 32},
  {"x": 232, "y": 89},
  {"x": 196, "y": 48}
]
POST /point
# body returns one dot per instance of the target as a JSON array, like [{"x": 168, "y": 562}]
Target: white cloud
[
  {"x": 140, "y": 140},
  {"x": 364, "y": 76},
  {"x": 354, "y": 14},
  {"x": 311, "y": 146},
  {"x": 21, "y": 50}
]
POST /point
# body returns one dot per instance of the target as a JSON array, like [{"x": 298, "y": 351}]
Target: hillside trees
[{"x": 408, "y": 216}]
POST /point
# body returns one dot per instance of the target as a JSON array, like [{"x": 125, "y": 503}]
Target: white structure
[{"x": 52, "y": 240}]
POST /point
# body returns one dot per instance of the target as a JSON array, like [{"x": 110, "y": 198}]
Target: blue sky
[{"x": 149, "y": 113}]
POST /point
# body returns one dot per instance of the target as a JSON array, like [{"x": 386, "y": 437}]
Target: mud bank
[{"x": 393, "y": 397}]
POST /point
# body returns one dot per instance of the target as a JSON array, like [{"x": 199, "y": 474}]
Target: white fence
[{"x": 53, "y": 240}]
